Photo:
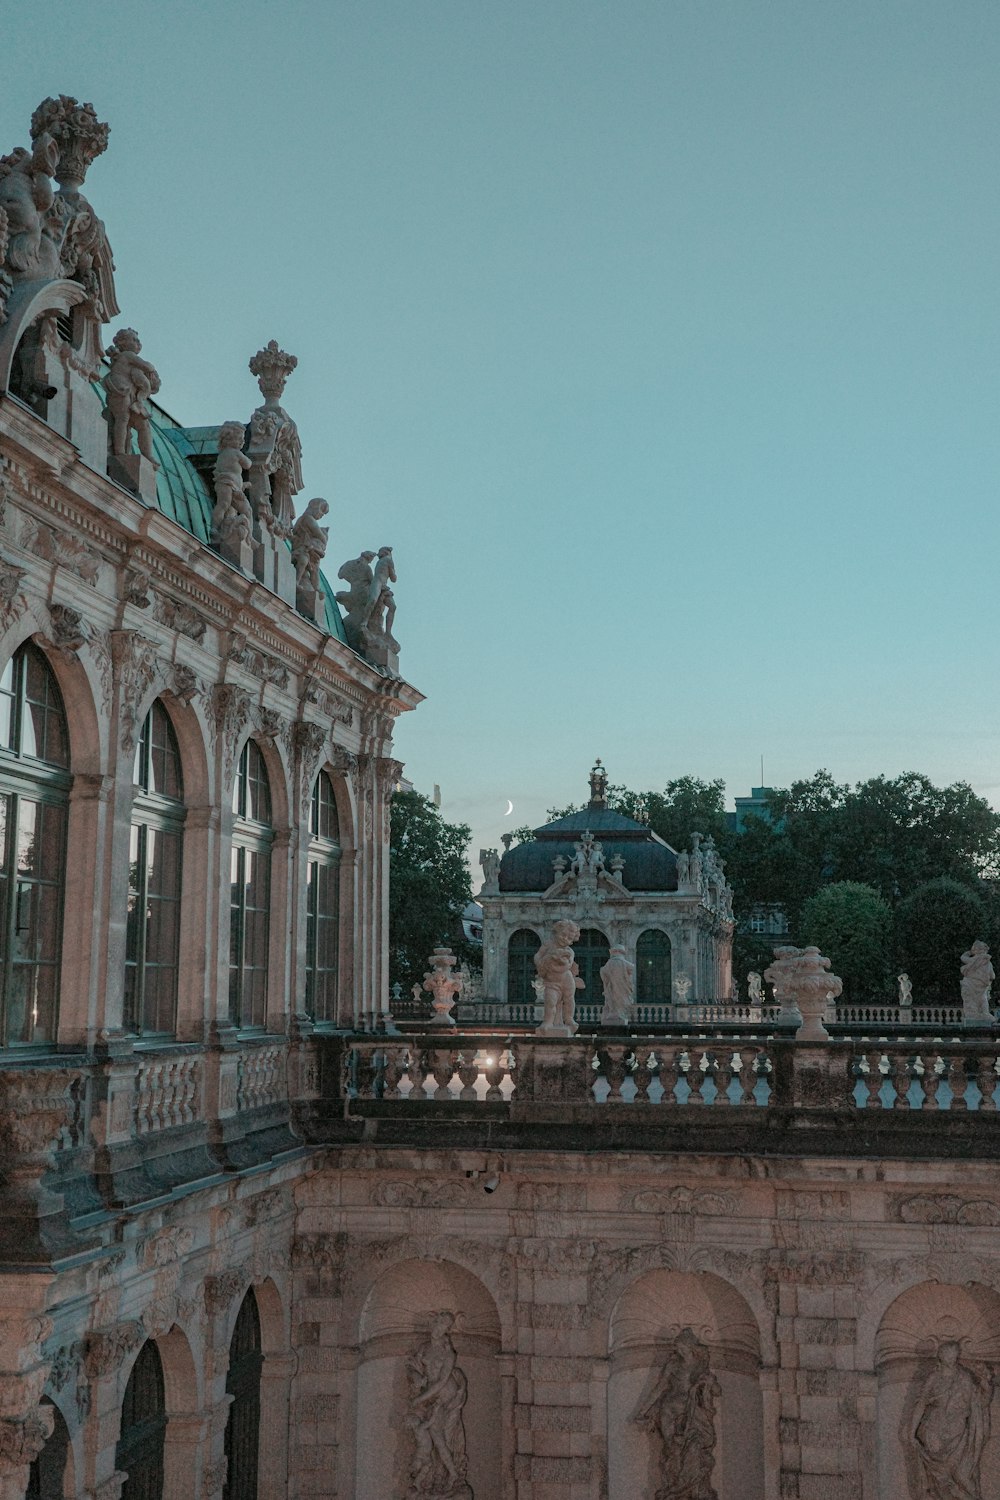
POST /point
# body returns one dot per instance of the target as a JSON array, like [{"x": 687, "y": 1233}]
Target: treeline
[{"x": 891, "y": 874}]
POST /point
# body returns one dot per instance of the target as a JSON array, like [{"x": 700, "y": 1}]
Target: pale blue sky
[{"x": 660, "y": 340}]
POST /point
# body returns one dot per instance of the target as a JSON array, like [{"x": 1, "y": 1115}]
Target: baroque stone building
[{"x": 256, "y": 1242}]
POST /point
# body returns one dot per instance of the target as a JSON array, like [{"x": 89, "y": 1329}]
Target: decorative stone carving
[
  {"x": 21, "y": 1441},
  {"x": 68, "y": 630},
  {"x": 176, "y": 614},
  {"x": 6, "y": 284},
  {"x": 443, "y": 986},
  {"x": 232, "y": 517},
  {"x": 680, "y": 1413},
  {"x": 136, "y": 664},
  {"x": 129, "y": 384},
  {"x": 267, "y": 668},
  {"x": 945, "y": 1208},
  {"x": 370, "y": 607},
  {"x": 951, "y": 1424},
  {"x": 84, "y": 251},
  {"x": 437, "y": 1395},
  {"x": 270, "y": 724},
  {"x": 754, "y": 993},
  {"x": 977, "y": 979},
  {"x": 618, "y": 981},
  {"x": 556, "y": 967},
  {"x": 215, "y": 1477},
  {"x": 68, "y": 551},
  {"x": 184, "y": 683},
  {"x": 905, "y": 984},
  {"x": 420, "y": 1194},
  {"x": 164, "y": 1247},
  {"x": 329, "y": 703},
  {"x": 137, "y": 591},
  {"x": 105, "y": 1351},
  {"x": 26, "y": 198},
  {"x": 12, "y": 600},
  {"x": 309, "y": 541},
  {"x": 343, "y": 760},
  {"x": 221, "y": 1290},
  {"x": 800, "y": 975},
  {"x": 275, "y": 449},
  {"x": 682, "y": 989},
  {"x": 231, "y": 715}
]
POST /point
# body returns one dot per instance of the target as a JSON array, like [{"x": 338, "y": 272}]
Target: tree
[
  {"x": 934, "y": 926},
  {"x": 429, "y": 886},
  {"x": 852, "y": 926}
]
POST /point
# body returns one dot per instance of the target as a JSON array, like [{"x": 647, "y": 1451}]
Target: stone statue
[
  {"x": 232, "y": 518},
  {"x": 555, "y": 966},
  {"x": 309, "y": 541},
  {"x": 754, "y": 992},
  {"x": 357, "y": 601},
  {"x": 490, "y": 861},
  {"x": 371, "y": 607},
  {"x": 437, "y": 1394},
  {"x": 384, "y": 604},
  {"x": 905, "y": 989},
  {"x": 951, "y": 1425},
  {"x": 683, "y": 868},
  {"x": 618, "y": 980},
  {"x": 129, "y": 383},
  {"x": 275, "y": 447},
  {"x": 977, "y": 979},
  {"x": 680, "y": 1413},
  {"x": 27, "y": 197}
]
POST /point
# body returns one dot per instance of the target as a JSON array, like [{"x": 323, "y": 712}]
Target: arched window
[
  {"x": 653, "y": 976},
  {"x": 47, "y": 1475},
  {"x": 521, "y": 950},
  {"x": 243, "y": 1422},
  {"x": 250, "y": 890},
  {"x": 592, "y": 952},
  {"x": 34, "y": 790},
  {"x": 139, "y": 1453},
  {"x": 323, "y": 903},
  {"x": 154, "y": 895}
]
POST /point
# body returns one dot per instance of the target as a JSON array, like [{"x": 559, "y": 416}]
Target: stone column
[
  {"x": 87, "y": 834},
  {"x": 203, "y": 884},
  {"x": 275, "y": 1403},
  {"x": 281, "y": 952}
]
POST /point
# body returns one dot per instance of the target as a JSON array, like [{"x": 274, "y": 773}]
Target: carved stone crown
[
  {"x": 76, "y": 130},
  {"x": 272, "y": 366}
]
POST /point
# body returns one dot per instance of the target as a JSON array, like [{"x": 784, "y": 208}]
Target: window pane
[
  {"x": 258, "y": 804},
  {"x": 43, "y": 728},
  {"x": 31, "y": 887},
  {"x": 165, "y": 760},
  {"x": 323, "y": 822}
]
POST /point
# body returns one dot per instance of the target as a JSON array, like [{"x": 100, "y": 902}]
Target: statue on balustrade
[
  {"x": 680, "y": 1413},
  {"x": 618, "y": 980},
  {"x": 437, "y": 1393},
  {"x": 556, "y": 968},
  {"x": 232, "y": 518},
  {"x": 951, "y": 1425},
  {"x": 309, "y": 541},
  {"x": 129, "y": 384},
  {"x": 977, "y": 979}
]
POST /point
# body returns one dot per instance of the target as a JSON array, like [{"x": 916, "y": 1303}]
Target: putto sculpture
[
  {"x": 232, "y": 518},
  {"x": 556, "y": 968},
  {"x": 129, "y": 384},
  {"x": 309, "y": 541},
  {"x": 977, "y": 981},
  {"x": 437, "y": 1394},
  {"x": 680, "y": 1414}
]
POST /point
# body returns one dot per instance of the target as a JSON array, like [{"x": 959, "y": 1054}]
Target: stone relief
[
  {"x": 944, "y": 1208},
  {"x": 683, "y": 1200},
  {"x": 680, "y": 1414},
  {"x": 176, "y": 614},
  {"x": 104, "y": 1351},
  {"x": 951, "y": 1425},
  {"x": 129, "y": 384},
  {"x": 12, "y": 600},
  {"x": 69, "y": 632},
  {"x": 556, "y": 967},
  {"x": 22, "y": 1440},
  {"x": 267, "y": 668},
  {"x": 437, "y": 1393},
  {"x": 419, "y": 1194},
  {"x": 231, "y": 715},
  {"x": 68, "y": 551},
  {"x": 136, "y": 664}
]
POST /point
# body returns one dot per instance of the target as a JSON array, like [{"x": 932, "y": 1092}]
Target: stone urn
[
  {"x": 801, "y": 977},
  {"x": 444, "y": 986}
]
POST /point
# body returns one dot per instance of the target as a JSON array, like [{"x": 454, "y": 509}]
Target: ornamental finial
[
  {"x": 598, "y": 785},
  {"x": 272, "y": 366}
]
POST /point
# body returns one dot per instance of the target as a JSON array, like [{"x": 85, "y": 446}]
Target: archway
[
  {"x": 47, "y": 1475},
  {"x": 139, "y": 1453},
  {"x": 243, "y": 1384}
]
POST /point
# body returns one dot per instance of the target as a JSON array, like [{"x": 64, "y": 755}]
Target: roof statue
[
  {"x": 232, "y": 518},
  {"x": 274, "y": 442},
  {"x": 371, "y": 607},
  {"x": 598, "y": 785},
  {"x": 309, "y": 541}
]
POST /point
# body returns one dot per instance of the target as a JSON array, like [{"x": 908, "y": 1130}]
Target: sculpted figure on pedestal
[
  {"x": 556, "y": 968},
  {"x": 977, "y": 978},
  {"x": 754, "y": 992},
  {"x": 84, "y": 251},
  {"x": 309, "y": 541},
  {"x": 129, "y": 383},
  {"x": 905, "y": 984},
  {"x": 232, "y": 518},
  {"x": 371, "y": 607},
  {"x": 490, "y": 861},
  {"x": 437, "y": 1393},
  {"x": 618, "y": 981},
  {"x": 27, "y": 196},
  {"x": 951, "y": 1425},
  {"x": 680, "y": 1413},
  {"x": 683, "y": 868}
]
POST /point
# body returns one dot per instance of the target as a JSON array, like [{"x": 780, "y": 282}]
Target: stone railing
[
  {"x": 167, "y": 1093},
  {"x": 524, "y": 1015},
  {"x": 848, "y": 1074}
]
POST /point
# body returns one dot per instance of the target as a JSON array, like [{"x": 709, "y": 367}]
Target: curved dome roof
[{"x": 650, "y": 863}]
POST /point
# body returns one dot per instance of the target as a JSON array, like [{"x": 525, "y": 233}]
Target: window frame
[
  {"x": 252, "y": 839},
  {"x": 323, "y": 859},
  {"x": 157, "y": 813}
]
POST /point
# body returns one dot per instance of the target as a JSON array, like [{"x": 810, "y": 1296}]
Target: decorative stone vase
[
  {"x": 444, "y": 986},
  {"x": 800, "y": 976}
]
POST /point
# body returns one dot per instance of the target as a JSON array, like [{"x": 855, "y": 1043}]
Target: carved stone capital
[
  {"x": 230, "y": 716},
  {"x": 106, "y": 1350},
  {"x": 22, "y": 1440}
]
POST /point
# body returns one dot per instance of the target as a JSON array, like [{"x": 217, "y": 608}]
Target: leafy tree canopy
[
  {"x": 852, "y": 925},
  {"x": 429, "y": 886},
  {"x": 935, "y": 924}
]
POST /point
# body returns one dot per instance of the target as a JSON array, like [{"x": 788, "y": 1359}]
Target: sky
[{"x": 660, "y": 340}]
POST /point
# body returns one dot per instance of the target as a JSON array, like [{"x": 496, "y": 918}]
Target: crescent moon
[{"x": 510, "y": 808}]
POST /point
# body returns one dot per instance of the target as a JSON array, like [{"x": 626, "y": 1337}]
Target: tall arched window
[
  {"x": 592, "y": 952},
  {"x": 323, "y": 903},
  {"x": 521, "y": 950},
  {"x": 250, "y": 890},
  {"x": 154, "y": 896},
  {"x": 653, "y": 977},
  {"x": 243, "y": 1422},
  {"x": 139, "y": 1454},
  {"x": 47, "y": 1475},
  {"x": 34, "y": 791}
]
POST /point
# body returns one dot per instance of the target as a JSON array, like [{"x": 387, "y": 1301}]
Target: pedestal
[{"x": 136, "y": 473}]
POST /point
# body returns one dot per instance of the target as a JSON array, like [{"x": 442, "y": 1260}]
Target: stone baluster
[
  {"x": 695, "y": 1077},
  {"x": 931, "y": 1080},
  {"x": 668, "y": 1072},
  {"x": 468, "y": 1073},
  {"x": 747, "y": 1063},
  {"x": 614, "y": 1072},
  {"x": 493, "y": 1072},
  {"x": 394, "y": 1060},
  {"x": 900, "y": 1079},
  {"x": 986, "y": 1079},
  {"x": 443, "y": 1068},
  {"x": 726, "y": 1068},
  {"x": 958, "y": 1082},
  {"x": 873, "y": 1080},
  {"x": 642, "y": 1075}
]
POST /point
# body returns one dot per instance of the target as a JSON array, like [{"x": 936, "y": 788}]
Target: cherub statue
[
  {"x": 232, "y": 518},
  {"x": 556, "y": 967},
  {"x": 309, "y": 541},
  {"x": 129, "y": 383}
]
